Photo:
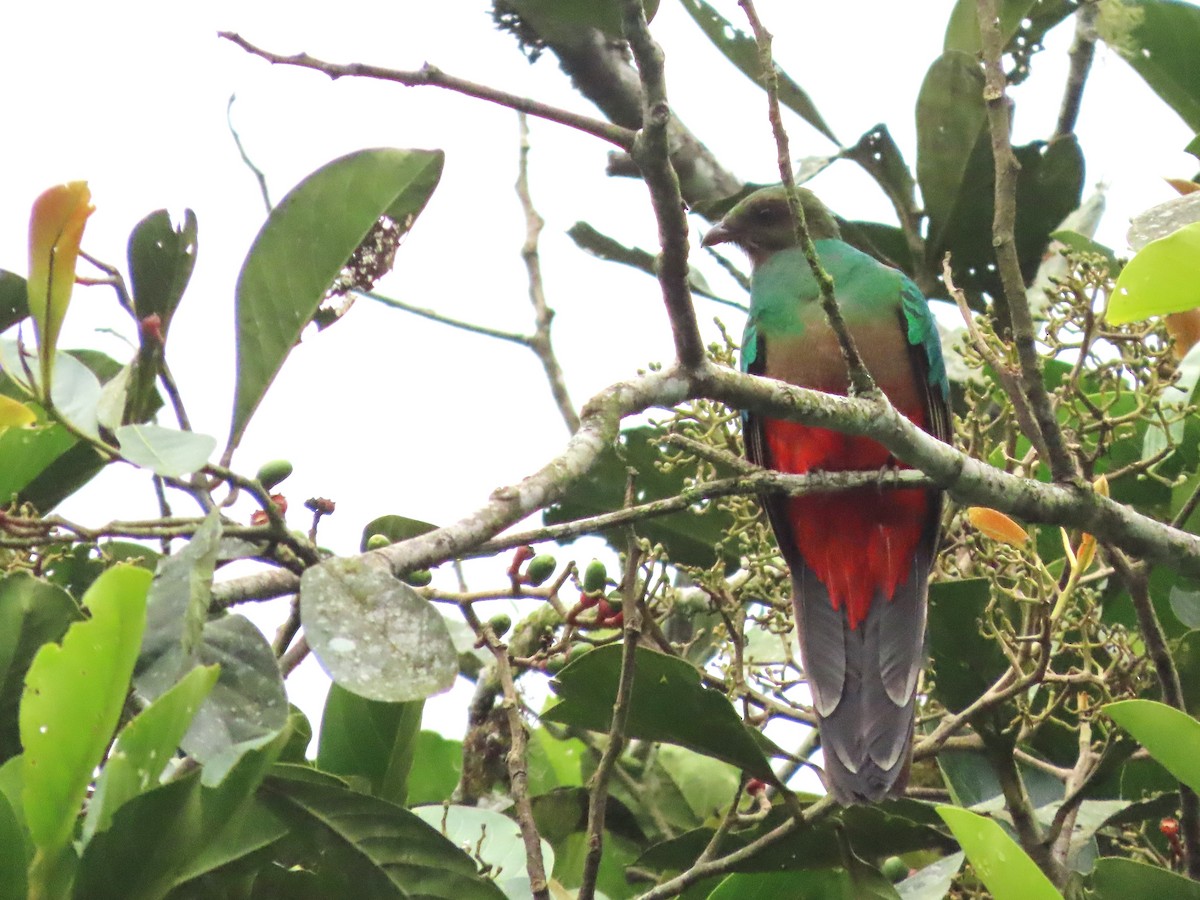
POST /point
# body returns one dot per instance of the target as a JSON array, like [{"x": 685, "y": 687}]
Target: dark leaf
[
  {"x": 14, "y": 301},
  {"x": 563, "y": 19},
  {"x": 966, "y": 664},
  {"x": 436, "y": 767},
  {"x": 161, "y": 259},
  {"x": 394, "y": 528},
  {"x": 1159, "y": 39},
  {"x": 1023, "y": 27},
  {"x": 1121, "y": 879},
  {"x": 669, "y": 704},
  {"x": 742, "y": 50},
  {"x": 371, "y": 739}
]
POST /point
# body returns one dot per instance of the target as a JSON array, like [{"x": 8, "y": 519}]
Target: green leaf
[
  {"x": 307, "y": 239},
  {"x": 370, "y": 738},
  {"x": 1158, "y": 38},
  {"x": 1081, "y": 243},
  {"x": 495, "y": 838},
  {"x": 669, "y": 704},
  {"x": 1170, "y": 736},
  {"x": 375, "y": 635},
  {"x": 1121, "y": 879},
  {"x": 33, "y": 612},
  {"x": 565, "y": 19},
  {"x": 742, "y": 50},
  {"x": 604, "y": 247},
  {"x": 381, "y": 845},
  {"x": 812, "y": 884},
  {"x": 165, "y": 451},
  {"x": 1161, "y": 278},
  {"x": 966, "y": 663},
  {"x": 145, "y": 747},
  {"x": 394, "y": 528},
  {"x": 248, "y": 707},
  {"x": 179, "y": 831},
  {"x": 161, "y": 260},
  {"x": 13, "y": 879},
  {"x": 436, "y": 767},
  {"x": 14, "y": 299},
  {"x": 691, "y": 538},
  {"x": 73, "y": 699},
  {"x": 1023, "y": 27},
  {"x": 1000, "y": 864},
  {"x": 951, "y": 121}
]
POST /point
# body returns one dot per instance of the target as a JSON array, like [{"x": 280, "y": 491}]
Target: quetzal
[{"x": 859, "y": 559}]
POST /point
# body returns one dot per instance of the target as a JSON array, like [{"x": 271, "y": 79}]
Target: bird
[{"x": 859, "y": 559}]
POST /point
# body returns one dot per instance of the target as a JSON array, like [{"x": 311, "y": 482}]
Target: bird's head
[{"x": 761, "y": 224}]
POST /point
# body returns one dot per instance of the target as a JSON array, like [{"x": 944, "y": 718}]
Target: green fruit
[
  {"x": 540, "y": 568},
  {"x": 894, "y": 869},
  {"x": 500, "y": 625},
  {"x": 578, "y": 650},
  {"x": 556, "y": 664},
  {"x": 378, "y": 542},
  {"x": 419, "y": 577},
  {"x": 595, "y": 577},
  {"x": 615, "y": 601},
  {"x": 273, "y": 472}
]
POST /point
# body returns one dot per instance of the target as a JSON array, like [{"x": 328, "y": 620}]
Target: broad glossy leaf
[
  {"x": 1161, "y": 278},
  {"x": 669, "y": 704},
  {"x": 248, "y": 707},
  {"x": 307, "y": 239},
  {"x": 1000, "y": 864},
  {"x": 14, "y": 299},
  {"x": 802, "y": 884},
  {"x": 497, "y": 837},
  {"x": 1081, "y": 243},
  {"x": 1158, "y": 39},
  {"x": 73, "y": 699},
  {"x": 161, "y": 259},
  {"x": 165, "y": 451},
  {"x": 55, "y": 230},
  {"x": 966, "y": 664},
  {"x": 374, "y": 634},
  {"x": 33, "y": 612},
  {"x": 1170, "y": 736},
  {"x": 742, "y": 50},
  {"x": 13, "y": 865},
  {"x": 1115, "y": 878},
  {"x": 145, "y": 747},
  {"x": 382, "y": 845},
  {"x": 1023, "y": 27},
  {"x": 371, "y": 739},
  {"x": 690, "y": 537}
]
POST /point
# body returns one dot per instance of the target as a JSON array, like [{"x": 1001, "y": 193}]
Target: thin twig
[
  {"x": 255, "y": 170},
  {"x": 115, "y": 279},
  {"x": 543, "y": 314},
  {"x": 1136, "y": 578},
  {"x": 434, "y": 315},
  {"x": 429, "y": 75},
  {"x": 651, "y": 151},
  {"x": 861, "y": 382},
  {"x": 1063, "y": 466},
  {"x": 518, "y": 758}
]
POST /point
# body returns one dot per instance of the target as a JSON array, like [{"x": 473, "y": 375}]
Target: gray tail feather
[{"x": 863, "y": 683}]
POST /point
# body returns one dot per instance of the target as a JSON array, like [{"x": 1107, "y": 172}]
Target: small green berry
[
  {"x": 540, "y": 568},
  {"x": 500, "y": 625},
  {"x": 378, "y": 542},
  {"x": 556, "y": 663},
  {"x": 595, "y": 577},
  {"x": 894, "y": 869},
  {"x": 419, "y": 577},
  {"x": 273, "y": 472}
]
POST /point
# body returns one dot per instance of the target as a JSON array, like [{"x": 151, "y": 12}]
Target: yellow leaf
[
  {"x": 14, "y": 414},
  {"x": 997, "y": 525},
  {"x": 1087, "y": 551},
  {"x": 55, "y": 231}
]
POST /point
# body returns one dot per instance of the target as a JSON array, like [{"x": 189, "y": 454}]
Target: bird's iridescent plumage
[{"x": 859, "y": 559}]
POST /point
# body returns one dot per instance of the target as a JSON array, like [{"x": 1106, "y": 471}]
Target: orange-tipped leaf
[{"x": 997, "y": 526}]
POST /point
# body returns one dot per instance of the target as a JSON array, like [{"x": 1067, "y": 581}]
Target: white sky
[{"x": 387, "y": 413}]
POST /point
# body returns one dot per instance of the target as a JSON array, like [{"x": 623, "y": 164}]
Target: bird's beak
[{"x": 718, "y": 234}]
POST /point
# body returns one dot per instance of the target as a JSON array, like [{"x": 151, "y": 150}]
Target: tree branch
[
  {"x": 651, "y": 151},
  {"x": 429, "y": 75},
  {"x": 540, "y": 343},
  {"x": 1063, "y": 466},
  {"x": 1083, "y": 50}
]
